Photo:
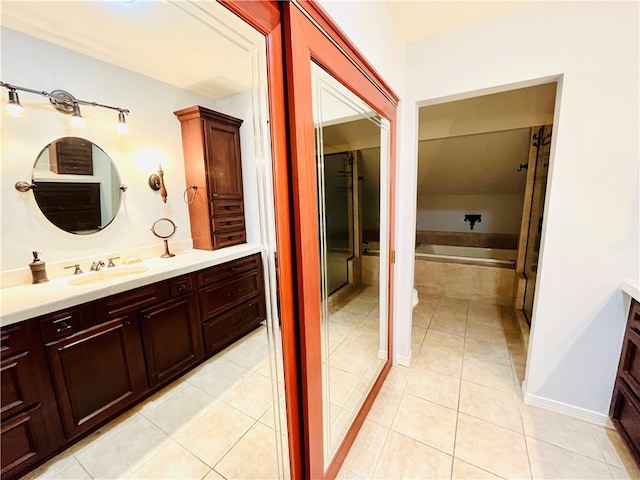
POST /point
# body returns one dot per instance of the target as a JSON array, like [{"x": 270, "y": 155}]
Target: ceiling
[
  {"x": 158, "y": 39},
  {"x": 419, "y": 19}
]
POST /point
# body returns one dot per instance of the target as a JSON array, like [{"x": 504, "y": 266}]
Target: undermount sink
[{"x": 106, "y": 275}]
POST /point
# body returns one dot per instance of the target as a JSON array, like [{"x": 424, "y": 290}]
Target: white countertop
[
  {"x": 632, "y": 288},
  {"x": 27, "y": 301}
]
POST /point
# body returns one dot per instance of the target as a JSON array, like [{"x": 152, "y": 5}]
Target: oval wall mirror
[{"x": 77, "y": 185}]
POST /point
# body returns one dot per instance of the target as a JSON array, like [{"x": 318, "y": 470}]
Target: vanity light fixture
[
  {"x": 122, "y": 127},
  {"x": 14, "y": 109},
  {"x": 64, "y": 103},
  {"x": 76, "y": 118}
]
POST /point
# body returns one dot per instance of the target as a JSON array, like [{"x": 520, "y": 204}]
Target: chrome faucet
[{"x": 96, "y": 266}]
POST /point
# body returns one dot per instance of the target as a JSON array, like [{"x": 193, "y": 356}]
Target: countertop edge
[
  {"x": 47, "y": 297},
  {"x": 632, "y": 288}
]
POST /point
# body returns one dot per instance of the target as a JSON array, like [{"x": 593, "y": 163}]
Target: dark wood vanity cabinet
[
  {"x": 97, "y": 372},
  {"x": 171, "y": 338},
  {"x": 625, "y": 403},
  {"x": 232, "y": 301},
  {"x": 64, "y": 374},
  {"x": 72, "y": 155},
  {"x": 31, "y": 427},
  {"x": 211, "y": 146}
]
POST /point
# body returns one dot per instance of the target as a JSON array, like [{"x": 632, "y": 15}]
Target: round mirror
[
  {"x": 164, "y": 229},
  {"x": 77, "y": 185}
]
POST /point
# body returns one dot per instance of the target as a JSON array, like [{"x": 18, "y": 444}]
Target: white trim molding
[
  {"x": 405, "y": 361},
  {"x": 572, "y": 411}
]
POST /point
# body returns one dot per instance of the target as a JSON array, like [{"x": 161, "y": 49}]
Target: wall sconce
[
  {"x": 472, "y": 219},
  {"x": 64, "y": 103},
  {"x": 156, "y": 182}
]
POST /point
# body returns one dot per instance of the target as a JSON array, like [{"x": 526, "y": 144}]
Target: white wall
[
  {"x": 501, "y": 213},
  {"x": 155, "y": 137},
  {"x": 591, "y": 230}
]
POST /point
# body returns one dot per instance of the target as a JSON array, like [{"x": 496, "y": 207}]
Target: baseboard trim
[
  {"x": 405, "y": 361},
  {"x": 572, "y": 411}
]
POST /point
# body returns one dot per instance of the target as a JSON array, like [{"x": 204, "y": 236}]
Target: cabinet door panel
[
  {"x": 171, "y": 337},
  {"x": 625, "y": 411},
  {"x": 223, "y": 161},
  {"x": 17, "y": 392},
  {"x": 97, "y": 373},
  {"x": 22, "y": 443}
]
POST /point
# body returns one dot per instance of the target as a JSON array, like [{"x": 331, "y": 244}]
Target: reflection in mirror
[
  {"x": 78, "y": 185},
  {"x": 352, "y": 155}
]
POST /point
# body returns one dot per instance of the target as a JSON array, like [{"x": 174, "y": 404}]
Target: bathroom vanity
[
  {"x": 625, "y": 403},
  {"x": 69, "y": 370}
]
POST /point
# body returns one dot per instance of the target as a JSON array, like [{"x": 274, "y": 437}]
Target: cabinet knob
[
  {"x": 126, "y": 323},
  {"x": 182, "y": 287},
  {"x": 214, "y": 195}
]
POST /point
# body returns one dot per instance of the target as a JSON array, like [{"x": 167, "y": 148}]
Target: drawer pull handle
[
  {"x": 231, "y": 207},
  {"x": 233, "y": 294},
  {"x": 182, "y": 287},
  {"x": 147, "y": 317},
  {"x": 127, "y": 323},
  {"x": 214, "y": 195},
  {"x": 236, "y": 323},
  {"x": 234, "y": 222},
  {"x": 63, "y": 327}
]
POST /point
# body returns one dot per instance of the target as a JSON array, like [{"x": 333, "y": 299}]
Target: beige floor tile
[
  {"x": 364, "y": 339},
  {"x": 341, "y": 385},
  {"x": 426, "y": 422},
  {"x": 216, "y": 431},
  {"x": 623, "y": 474},
  {"x": 435, "y": 387},
  {"x": 562, "y": 431},
  {"x": 438, "y": 339},
  {"x": 398, "y": 377},
  {"x": 166, "y": 393},
  {"x": 456, "y": 304},
  {"x": 614, "y": 450},
  {"x": 172, "y": 462},
  {"x": 385, "y": 406},
  {"x": 180, "y": 409},
  {"x": 494, "y": 406},
  {"x": 551, "y": 462},
  {"x": 253, "y": 457},
  {"x": 491, "y": 448},
  {"x": 219, "y": 377},
  {"x": 338, "y": 330},
  {"x": 464, "y": 471},
  {"x": 449, "y": 323},
  {"x": 492, "y": 352},
  {"x": 64, "y": 466},
  {"x": 488, "y": 333},
  {"x": 124, "y": 452},
  {"x": 352, "y": 360},
  {"x": 488, "y": 374},
  {"x": 366, "y": 449},
  {"x": 345, "y": 474},
  {"x": 250, "y": 354},
  {"x": 405, "y": 458},
  {"x": 440, "y": 360},
  {"x": 213, "y": 475},
  {"x": 253, "y": 396}
]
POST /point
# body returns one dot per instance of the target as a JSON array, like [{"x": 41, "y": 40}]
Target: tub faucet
[{"x": 96, "y": 266}]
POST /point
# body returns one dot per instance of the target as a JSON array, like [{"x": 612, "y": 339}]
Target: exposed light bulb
[
  {"x": 76, "y": 119},
  {"x": 13, "y": 108},
  {"x": 122, "y": 127}
]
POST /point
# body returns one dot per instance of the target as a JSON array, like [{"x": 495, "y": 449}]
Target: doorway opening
[{"x": 482, "y": 175}]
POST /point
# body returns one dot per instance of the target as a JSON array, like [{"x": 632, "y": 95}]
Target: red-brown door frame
[
  {"x": 311, "y": 36},
  {"x": 265, "y": 16}
]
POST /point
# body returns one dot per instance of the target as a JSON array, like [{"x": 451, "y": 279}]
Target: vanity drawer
[
  {"x": 132, "y": 300},
  {"x": 229, "y": 269},
  {"x": 625, "y": 414},
  {"x": 182, "y": 285},
  {"x": 13, "y": 340},
  {"x": 67, "y": 322},
  {"x": 227, "y": 224},
  {"x": 227, "y": 207},
  {"x": 221, "y": 240},
  {"x": 232, "y": 325},
  {"x": 221, "y": 296}
]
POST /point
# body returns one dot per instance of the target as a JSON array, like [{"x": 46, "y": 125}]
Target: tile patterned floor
[
  {"x": 457, "y": 413},
  {"x": 215, "y": 422}
]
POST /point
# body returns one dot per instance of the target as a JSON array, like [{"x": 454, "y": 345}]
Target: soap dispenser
[{"x": 38, "y": 271}]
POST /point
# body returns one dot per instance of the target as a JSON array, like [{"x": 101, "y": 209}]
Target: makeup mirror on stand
[{"x": 164, "y": 229}]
